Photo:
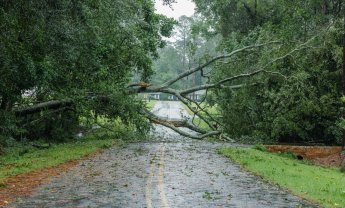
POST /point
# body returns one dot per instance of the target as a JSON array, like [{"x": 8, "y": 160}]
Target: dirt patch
[
  {"x": 307, "y": 152},
  {"x": 334, "y": 160},
  {"x": 320, "y": 155},
  {"x": 23, "y": 184}
]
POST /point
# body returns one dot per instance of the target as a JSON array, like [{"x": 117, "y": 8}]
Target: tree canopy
[
  {"x": 301, "y": 101},
  {"x": 273, "y": 69},
  {"x": 81, "y": 51}
]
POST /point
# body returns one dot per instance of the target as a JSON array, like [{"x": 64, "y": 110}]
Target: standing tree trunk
[{"x": 344, "y": 79}]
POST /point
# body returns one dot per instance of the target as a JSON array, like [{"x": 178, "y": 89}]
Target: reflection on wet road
[{"x": 168, "y": 171}]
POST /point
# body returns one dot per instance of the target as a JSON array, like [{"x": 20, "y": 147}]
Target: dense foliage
[
  {"x": 78, "y": 56},
  {"x": 81, "y": 51},
  {"x": 300, "y": 102}
]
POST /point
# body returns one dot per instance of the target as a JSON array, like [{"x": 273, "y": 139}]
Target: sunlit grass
[
  {"x": 212, "y": 110},
  {"x": 325, "y": 186},
  {"x": 150, "y": 104}
]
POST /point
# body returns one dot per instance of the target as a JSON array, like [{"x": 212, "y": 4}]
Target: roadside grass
[
  {"x": 201, "y": 124},
  {"x": 150, "y": 104},
  {"x": 23, "y": 158},
  {"x": 212, "y": 110},
  {"x": 325, "y": 186}
]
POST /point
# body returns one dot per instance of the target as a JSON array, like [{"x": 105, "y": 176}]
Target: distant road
[{"x": 170, "y": 109}]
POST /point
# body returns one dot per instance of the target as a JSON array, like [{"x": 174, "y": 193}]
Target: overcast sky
[{"x": 182, "y": 7}]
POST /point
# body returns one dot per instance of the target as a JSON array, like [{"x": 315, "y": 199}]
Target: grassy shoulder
[
  {"x": 325, "y": 186},
  {"x": 150, "y": 104},
  {"x": 24, "y": 159},
  {"x": 212, "y": 110}
]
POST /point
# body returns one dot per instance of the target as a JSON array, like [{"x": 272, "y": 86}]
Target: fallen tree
[
  {"x": 213, "y": 124},
  {"x": 194, "y": 132},
  {"x": 87, "y": 67}
]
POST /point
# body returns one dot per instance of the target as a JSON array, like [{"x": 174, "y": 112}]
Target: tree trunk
[
  {"x": 3, "y": 103},
  {"x": 344, "y": 81},
  {"x": 51, "y": 105}
]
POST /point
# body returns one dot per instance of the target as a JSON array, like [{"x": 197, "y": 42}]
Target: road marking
[
  {"x": 162, "y": 195},
  {"x": 148, "y": 192},
  {"x": 160, "y": 180}
]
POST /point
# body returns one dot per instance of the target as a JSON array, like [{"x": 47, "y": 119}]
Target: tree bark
[
  {"x": 3, "y": 102},
  {"x": 344, "y": 80},
  {"x": 55, "y": 104}
]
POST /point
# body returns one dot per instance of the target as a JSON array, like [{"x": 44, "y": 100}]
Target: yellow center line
[{"x": 161, "y": 179}]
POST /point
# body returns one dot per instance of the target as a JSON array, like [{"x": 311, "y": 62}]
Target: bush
[
  {"x": 260, "y": 147},
  {"x": 288, "y": 155},
  {"x": 52, "y": 127}
]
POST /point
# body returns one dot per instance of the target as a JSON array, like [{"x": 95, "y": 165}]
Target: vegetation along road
[
  {"x": 169, "y": 171},
  {"x": 75, "y": 77}
]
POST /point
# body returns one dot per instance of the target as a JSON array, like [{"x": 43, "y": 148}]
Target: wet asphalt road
[{"x": 169, "y": 171}]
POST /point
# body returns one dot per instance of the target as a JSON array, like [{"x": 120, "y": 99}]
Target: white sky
[{"x": 182, "y": 7}]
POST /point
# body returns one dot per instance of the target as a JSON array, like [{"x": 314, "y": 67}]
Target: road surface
[{"x": 168, "y": 171}]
